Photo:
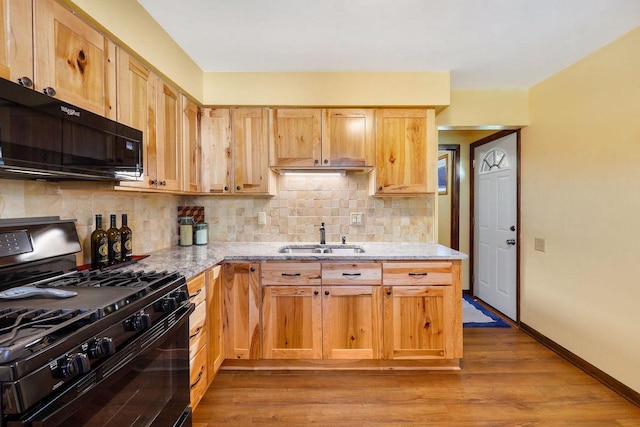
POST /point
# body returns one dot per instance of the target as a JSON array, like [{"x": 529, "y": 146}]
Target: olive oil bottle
[
  {"x": 99, "y": 246},
  {"x": 115, "y": 246},
  {"x": 126, "y": 240}
]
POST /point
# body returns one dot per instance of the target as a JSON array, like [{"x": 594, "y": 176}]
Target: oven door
[{"x": 146, "y": 383}]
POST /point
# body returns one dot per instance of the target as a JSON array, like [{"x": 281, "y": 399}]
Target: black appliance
[
  {"x": 44, "y": 138},
  {"x": 113, "y": 352}
]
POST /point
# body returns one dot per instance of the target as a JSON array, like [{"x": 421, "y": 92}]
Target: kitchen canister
[
  {"x": 186, "y": 230},
  {"x": 201, "y": 233}
]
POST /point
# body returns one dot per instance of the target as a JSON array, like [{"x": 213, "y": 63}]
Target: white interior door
[{"x": 495, "y": 216}]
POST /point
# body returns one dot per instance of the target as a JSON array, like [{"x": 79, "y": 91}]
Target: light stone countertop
[{"x": 192, "y": 260}]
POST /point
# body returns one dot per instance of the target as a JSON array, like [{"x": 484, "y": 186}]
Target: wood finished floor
[{"x": 507, "y": 379}]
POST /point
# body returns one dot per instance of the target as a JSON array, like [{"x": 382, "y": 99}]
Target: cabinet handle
[
  {"x": 195, "y": 334},
  {"x": 326, "y": 161},
  {"x": 49, "y": 91},
  {"x": 351, "y": 274},
  {"x": 326, "y": 292},
  {"x": 238, "y": 188},
  {"x": 196, "y": 294},
  {"x": 163, "y": 182},
  {"x": 154, "y": 182},
  {"x": 25, "y": 81},
  {"x": 198, "y": 380},
  {"x": 315, "y": 162},
  {"x": 316, "y": 292},
  {"x": 291, "y": 274},
  {"x": 380, "y": 188},
  {"x": 252, "y": 269},
  {"x": 226, "y": 188},
  {"x": 417, "y": 274},
  {"x": 388, "y": 292}
]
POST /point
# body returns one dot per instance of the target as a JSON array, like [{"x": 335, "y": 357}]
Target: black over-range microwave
[{"x": 44, "y": 138}]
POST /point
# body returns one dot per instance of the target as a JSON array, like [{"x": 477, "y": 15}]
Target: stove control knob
[
  {"x": 166, "y": 305},
  {"x": 74, "y": 365},
  {"x": 180, "y": 296},
  {"x": 138, "y": 323},
  {"x": 102, "y": 347}
]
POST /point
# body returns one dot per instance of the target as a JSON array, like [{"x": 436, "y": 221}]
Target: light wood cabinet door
[
  {"x": 404, "y": 163},
  {"x": 250, "y": 150},
  {"x": 296, "y": 137},
  {"x": 292, "y": 322},
  {"x": 348, "y": 137},
  {"x": 242, "y": 310},
  {"x": 192, "y": 162},
  {"x": 16, "y": 41},
  {"x": 198, "y": 377},
  {"x": 215, "y": 321},
  {"x": 74, "y": 59},
  {"x": 136, "y": 107},
  {"x": 169, "y": 138},
  {"x": 351, "y": 322},
  {"x": 418, "y": 322},
  {"x": 216, "y": 138}
]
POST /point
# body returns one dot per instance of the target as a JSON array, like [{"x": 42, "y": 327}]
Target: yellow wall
[
  {"x": 469, "y": 109},
  {"x": 129, "y": 22},
  {"x": 580, "y": 172},
  {"x": 330, "y": 88}
]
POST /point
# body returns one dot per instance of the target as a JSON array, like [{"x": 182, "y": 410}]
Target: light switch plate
[
  {"x": 539, "y": 244},
  {"x": 262, "y": 218}
]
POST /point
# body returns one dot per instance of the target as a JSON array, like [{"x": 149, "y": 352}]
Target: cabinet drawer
[
  {"x": 416, "y": 273},
  {"x": 197, "y": 330},
  {"x": 337, "y": 273},
  {"x": 196, "y": 288},
  {"x": 198, "y": 376},
  {"x": 291, "y": 273}
]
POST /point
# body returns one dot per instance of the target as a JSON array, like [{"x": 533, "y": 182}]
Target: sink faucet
[{"x": 322, "y": 235}]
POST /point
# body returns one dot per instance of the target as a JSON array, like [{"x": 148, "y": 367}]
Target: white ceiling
[{"x": 484, "y": 43}]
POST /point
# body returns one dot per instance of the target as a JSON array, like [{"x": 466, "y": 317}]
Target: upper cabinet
[
  {"x": 405, "y": 139},
  {"x": 73, "y": 61},
  {"x": 235, "y": 151},
  {"x": 16, "y": 44},
  {"x": 169, "y": 142},
  {"x": 192, "y": 162},
  {"x": 311, "y": 137}
]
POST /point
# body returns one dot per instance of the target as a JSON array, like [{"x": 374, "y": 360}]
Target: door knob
[{"x": 511, "y": 242}]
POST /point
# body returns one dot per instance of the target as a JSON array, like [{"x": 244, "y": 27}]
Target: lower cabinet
[
  {"x": 242, "y": 310},
  {"x": 198, "y": 338},
  {"x": 215, "y": 324}
]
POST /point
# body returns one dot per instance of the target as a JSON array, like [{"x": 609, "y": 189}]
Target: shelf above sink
[{"x": 321, "y": 249}]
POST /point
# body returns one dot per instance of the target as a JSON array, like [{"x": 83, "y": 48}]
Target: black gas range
[{"x": 87, "y": 347}]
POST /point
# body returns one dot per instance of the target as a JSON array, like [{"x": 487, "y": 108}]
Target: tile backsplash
[
  {"x": 293, "y": 215},
  {"x": 302, "y": 203}
]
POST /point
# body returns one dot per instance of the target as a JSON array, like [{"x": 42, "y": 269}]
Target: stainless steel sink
[{"x": 321, "y": 249}]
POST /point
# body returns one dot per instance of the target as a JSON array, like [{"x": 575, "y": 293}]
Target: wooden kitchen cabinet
[
  {"x": 192, "y": 162},
  {"x": 16, "y": 40},
  {"x": 242, "y": 310},
  {"x": 215, "y": 321},
  {"x": 422, "y": 310},
  {"x": 291, "y": 310},
  {"x": 169, "y": 139},
  {"x": 73, "y": 59},
  {"x": 406, "y": 151},
  {"x": 198, "y": 337},
  {"x": 136, "y": 107},
  {"x": 235, "y": 151},
  {"x": 312, "y": 137}
]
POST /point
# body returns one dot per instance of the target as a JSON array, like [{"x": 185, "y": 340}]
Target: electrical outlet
[
  {"x": 262, "y": 218},
  {"x": 539, "y": 244},
  {"x": 357, "y": 218}
]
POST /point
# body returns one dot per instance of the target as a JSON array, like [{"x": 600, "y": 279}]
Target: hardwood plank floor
[{"x": 507, "y": 379}]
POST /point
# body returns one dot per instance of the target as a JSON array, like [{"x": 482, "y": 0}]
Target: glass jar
[
  {"x": 186, "y": 230},
  {"x": 201, "y": 233}
]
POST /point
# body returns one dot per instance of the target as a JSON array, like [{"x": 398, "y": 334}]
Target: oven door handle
[{"x": 57, "y": 410}]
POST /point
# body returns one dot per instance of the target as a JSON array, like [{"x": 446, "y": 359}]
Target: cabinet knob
[
  {"x": 238, "y": 188},
  {"x": 49, "y": 91},
  {"x": 252, "y": 269},
  {"x": 326, "y": 292},
  {"x": 380, "y": 188},
  {"x": 154, "y": 182},
  {"x": 163, "y": 182},
  {"x": 315, "y": 162},
  {"x": 316, "y": 292},
  {"x": 326, "y": 161},
  {"x": 226, "y": 188},
  {"x": 25, "y": 81},
  {"x": 388, "y": 292}
]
